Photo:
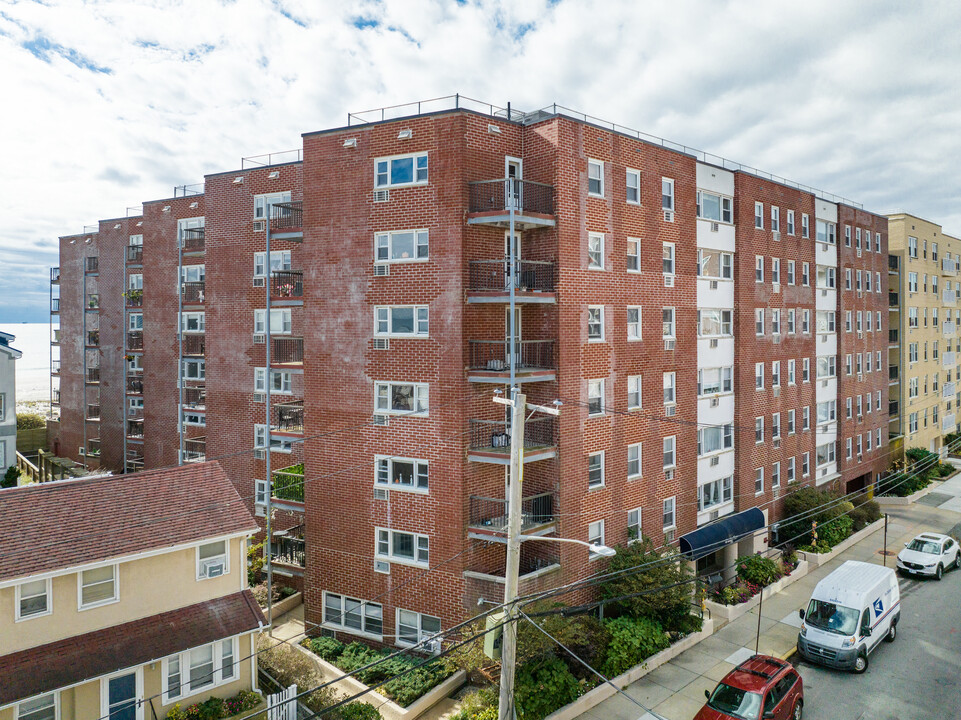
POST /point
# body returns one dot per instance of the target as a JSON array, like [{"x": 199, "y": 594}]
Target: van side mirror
[
  {"x": 866, "y": 632},
  {"x": 801, "y": 613},
  {"x": 906, "y": 544}
]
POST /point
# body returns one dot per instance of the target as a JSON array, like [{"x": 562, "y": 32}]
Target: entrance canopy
[{"x": 728, "y": 529}]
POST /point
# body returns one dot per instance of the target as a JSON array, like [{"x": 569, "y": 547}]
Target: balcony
[
  {"x": 135, "y": 429},
  {"x": 93, "y": 375},
  {"x": 135, "y": 340},
  {"x": 135, "y": 385},
  {"x": 134, "y": 461},
  {"x": 286, "y": 351},
  {"x": 93, "y": 338},
  {"x": 488, "y": 516},
  {"x": 54, "y": 275},
  {"x": 193, "y": 240},
  {"x": 949, "y": 297},
  {"x": 56, "y": 338},
  {"x": 286, "y": 285},
  {"x": 55, "y": 397},
  {"x": 134, "y": 298},
  {"x": 948, "y": 391},
  {"x": 894, "y": 300},
  {"x": 490, "y": 281},
  {"x": 287, "y": 221},
  {"x": 135, "y": 413},
  {"x": 93, "y": 412},
  {"x": 491, "y": 203},
  {"x": 195, "y": 449},
  {"x": 948, "y": 329},
  {"x": 135, "y": 254},
  {"x": 894, "y": 264},
  {"x": 54, "y": 367},
  {"x": 288, "y": 488},
  {"x": 490, "y": 440},
  {"x": 192, "y": 293},
  {"x": 288, "y": 417},
  {"x": 195, "y": 398},
  {"x": 489, "y": 361},
  {"x": 289, "y": 550},
  {"x": 93, "y": 303},
  {"x": 93, "y": 448},
  {"x": 893, "y": 336},
  {"x": 949, "y": 267},
  {"x": 91, "y": 265},
  {"x": 54, "y": 305},
  {"x": 948, "y": 424},
  {"x": 194, "y": 344},
  {"x": 537, "y": 559},
  {"x": 894, "y": 409},
  {"x": 948, "y": 359}
]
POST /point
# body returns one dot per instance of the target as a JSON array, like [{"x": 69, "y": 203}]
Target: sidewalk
[{"x": 676, "y": 689}]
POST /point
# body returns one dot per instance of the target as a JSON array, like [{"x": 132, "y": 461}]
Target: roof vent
[
  {"x": 166, "y": 208},
  {"x": 493, "y": 129},
  {"x": 350, "y": 143},
  {"x": 238, "y": 180},
  {"x": 273, "y": 175},
  {"x": 405, "y": 134},
  {"x": 194, "y": 205}
]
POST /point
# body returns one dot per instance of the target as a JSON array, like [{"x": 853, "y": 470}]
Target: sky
[{"x": 107, "y": 104}]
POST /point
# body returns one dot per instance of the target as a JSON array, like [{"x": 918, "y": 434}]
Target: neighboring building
[
  {"x": 925, "y": 343},
  {"x": 643, "y": 272},
  {"x": 8, "y": 402},
  {"x": 122, "y": 596}
]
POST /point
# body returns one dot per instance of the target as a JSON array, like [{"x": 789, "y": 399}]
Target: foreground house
[
  {"x": 122, "y": 596},
  {"x": 8, "y": 402}
]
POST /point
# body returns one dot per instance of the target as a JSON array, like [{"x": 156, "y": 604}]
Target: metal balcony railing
[
  {"x": 531, "y": 275},
  {"x": 56, "y": 337},
  {"x": 135, "y": 385},
  {"x": 93, "y": 338},
  {"x": 495, "y": 355},
  {"x": 195, "y": 449},
  {"x": 54, "y": 274},
  {"x": 135, "y": 340},
  {"x": 285, "y": 216},
  {"x": 134, "y": 460},
  {"x": 286, "y": 351},
  {"x": 894, "y": 263},
  {"x": 893, "y": 373},
  {"x": 948, "y": 391},
  {"x": 54, "y": 367},
  {"x": 135, "y": 254},
  {"x": 193, "y": 292},
  {"x": 288, "y": 417},
  {"x": 134, "y": 298},
  {"x": 289, "y": 550},
  {"x": 289, "y": 483},
  {"x": 93, "y": 448},
  {"x": 894, "y": 408},
  {"x": 55, "y": 397},
  {"x": 948, "y": 358},
  {"x": 286, "y": 284},
  {"x": 893, "y": 300},
  {"x": 495, "y": 434},
  {"x": 193, "y": 239},
  {"x": 135, "y": 428},
  {"x": 948, "y": 329},
  {"x": 949, "y": 297},
  {"x": 93, "y": 375},
  {"x": 948, "y": 424},
  {"x": 55, "y": 305},
  {"x": 194, "y": 344},
  {"x": 91, "y": 264},
  {"x": 93, "y": 302},
  {"x": 492, "y": 512},
  {"x": 949, "y": 267},
  {"x": 195, "y": 397},
  {"x": 93, "y": 412},
  {"x": 523, "y": 196},
  {"x": 893, "y": 336}
]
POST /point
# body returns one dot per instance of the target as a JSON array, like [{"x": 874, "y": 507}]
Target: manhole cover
[{"x": 887, "y": 553}]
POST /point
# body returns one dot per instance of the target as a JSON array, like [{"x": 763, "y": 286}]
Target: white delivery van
[{"x": 850, "y": 612}]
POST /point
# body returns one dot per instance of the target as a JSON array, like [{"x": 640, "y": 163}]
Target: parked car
[
  {"x": 850, "y": 612},
  {"x": 760, "y": 688},
  {"x": 929, "y": 554}
]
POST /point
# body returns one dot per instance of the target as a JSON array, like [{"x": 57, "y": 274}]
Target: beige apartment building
[
  {"x": 924, "y": 340},
  {"x": 121, "y": 596}
]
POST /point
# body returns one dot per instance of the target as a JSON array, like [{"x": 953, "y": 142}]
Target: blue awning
[{"x": 728, "y": 529}]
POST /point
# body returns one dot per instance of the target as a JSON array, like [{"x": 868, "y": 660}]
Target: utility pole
[
  {"x": 509, "y": 644},
  {"x": 268, "y": 386}
]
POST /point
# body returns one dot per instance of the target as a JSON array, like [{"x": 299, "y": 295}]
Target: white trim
[
  {"x": 390, "y": 557},
  {"x": 218, "y": 680},
  {"x": 390, "y": 158},
  {"x": 591, "y": 161},
  {"x": 56, "y": 703},
  {"x": 414, "y": 488},
  {"x": 363, "y": 618},
  {"x": 226, "y": 570},
  {"x": 109, "y": 601},
  {"x": 138, "y": 690},
  {"x": 49, "y": 611},
  {"x": 421, "y": 635}
]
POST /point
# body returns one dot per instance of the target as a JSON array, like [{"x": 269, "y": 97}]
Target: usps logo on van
[{"x": 878, "y": 607}]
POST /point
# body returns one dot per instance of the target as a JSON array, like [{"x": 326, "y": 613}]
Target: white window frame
[
  {"x": 595, "y": 536},
  {"x": 669, "y": 385},
  {"x": 636, "y": 187},
  {"x": 635, "y": 520},
  {"x": 225, "y": 555},
  {"x": 48, "y": 594},
  {"x": 200, "y": 364},
  {"x": 361, "y": 607},
  {"x": 422, "y": 635},
  {"x": 591, "y": 457},
  {"x": 595, "y": 394},
  {"x": 263, "y": 200},
  {"x": 284, "y": 376},
  {"x": 635, "y": 328},
  {"x": 669, "y": 258},
  {"x": 199, "y": 318},
  {"x": 384, "y": 318},
  {"x": 725, "y": 321},
  {"x": 638, "y": 451},
  {"x": 21, "y": 714},
  {"x": 260, "y": 493},
  {"x": 722, "y": 489},
  {"x": 724, "y": 207},
  {"x": 667, "y": 194},
  {"x": 595, "y": 172},
  {"x": 600, "y": 321},
  {"x": 633, "y": 255},
  {"x": 669, "y": 517},
  {"x": 99, "y": 603},
  {"x": 758, "y": 215},
  {"x": 135, "y": 322},
  {"x": 595, "y": 251},
  {"x": 415, "y": 170},
  {"x": 790, "y": 222},
  {"x": 669, "y": 445},
  {"x": 420, "y": 395},
  {"x": 759, "y": 481},
  {"x": 724, "y": 384},
  {"x": 635, "y": 385},
  {"x": 384, "y": 474},
  {"x": 391, "y": 557},
  {"x": 282, "y": 258},
  {"x": 384, "y": 241},
  {"x": 217, "y": 679}
]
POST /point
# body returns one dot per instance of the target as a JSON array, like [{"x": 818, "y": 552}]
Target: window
[
  {"x": 713, "y": 322},
  {"x": 826, "y": 232},
  {"x": 595, "y": 397},
  {"x": 714, "y": 439},
  {"x": 912, "y": 282},
  {"x": 135, "y": 322},
  {"x": 806, "y": 464},
  {"x": 281, "y": 382},
  {"x": 595, "y": 322},
  {"x": 667, "y": 258},
  {"x": 714, "y": 493},
  {"x": 401, "y": 473},
  {"x": 633, "y": 525},
  {"x": 827, "y": 411},
  {"x": 826, "y": 321},
  {"x": 848, "y": 364},
  {"x": 633, "y": 255},
  {"x": 775, "y": 218},
  {"x": 806, "y": 369},
  {"x": 790, "y": 422},
  {"x": 759, "y": 268},
  {"x": 776, "y": 270},
  {"x": 401, "y": 321},
  {"x": 877, "y": 244},
  {"x": 759, "y": 481},
  {"x": 791, "y": 469},
  {"x": 913, "y": 422},
  {"x": 595, "y": 251},
  {"x": 192, "y": 322},
  {"x": 98, "y": 586},
  {"x": 848, "y": 449},
  {"x": 399, "y": 246},
  {"x": 667, "y": 322},
  {"x": 595, "y": 178},
  {"x": 634, "y": 469},
  {"x": 713, "y": 207},
  {"x": 776, "y": 321},
  {"x": 790, "y": 272},
  {"x": 194, "y": 369},
  {"x": 633, "y": 391},
  {"x": 667, "y": 194},
  {"x": 776, "y": 426},
  {"x": 847, "y": 235},
  {"x": 353, "y": 615},
  {"x": 135, "y": 364},
  {"x": 203, "y": 667},
  {"x": 634, "y": 186},
  {"x": 847, "y": 278},
  {"x": 759, "y": 215},
  {"x": 595, "y": 536},
  {"x": 790, "y": 222},
  {"x": 414, "y": 628},
  {"x": 670, "y": 387},
  {"x": 759, "y": 376},
  {"x": 400, "y": 398},
  {"x": 827, "y": 366},
  {"x": 281, "y": 321},
  {"x": 759, "y": 430},
  {"x": 212, "y": 560},
  {"x": 912, "y": 247},
  {"x": 669, "y": 520},
  {"x": 827, "y": 277},
  {"x": 712, "y": 381},
  {"x": 805, "y": 225},
  {"x": 806, "y": 418},
  {"x": 595, "y": 470},
  {"x": 826, "y": 453},
  {"x": 279, "y": 261},
  {"x": 33, "y": 599},
  {"x": 633, "y": 323},
  {"x": 867, "y": 282},
  {"x": 135, "y": 281},
  {"x": 402, "y": 547},
  {"x": 261, "y": 202},
  {"x": 791, "y": 321},
  {"x": 400, "y": 170},
  {"x": 776, "y": 373},
  {"x": 669, "y": 454},
  {"x": 776, "y": 475},
  {"x": 713, "y": 264},
  {"x": 44, "y": 707},
  {"x": 805, "y": 274},
  {"x": 260, "y": 492}
]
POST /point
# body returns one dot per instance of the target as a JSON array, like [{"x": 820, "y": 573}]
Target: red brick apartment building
[{"x": 705, "y": 326}]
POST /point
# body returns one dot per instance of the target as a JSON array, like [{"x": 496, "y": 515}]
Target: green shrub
[
  {"x": 407, "y": 688},
  {"x": 945, "y": 469},
  {"x": 30, "y": 421},
  {"x": 864, "y": 514},
  {"x": 758, "y": 569},
  {"x": 327, "y": 647},
  {"x": 835, "y": 531},
  {"x": 359, "y": 711},
  {"x": 585, "y": 635},
  {"x": 633, "y": 640},
  {"x": 291, "y": 667},
  {"x": 808, "y": 505},
  {"x": 10, "y": 477},
  {"x": 543, "y": 686},
  {"x": 480, "y": 704}
]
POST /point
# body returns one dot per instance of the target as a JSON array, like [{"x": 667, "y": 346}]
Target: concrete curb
[
  {"x": 884, "y": 500},
  {"x": 817, "y": 559}
]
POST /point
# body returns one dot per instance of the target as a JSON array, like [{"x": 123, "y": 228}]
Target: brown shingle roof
[
  {"x": 68, "y": 523},
  {"x": 66, "y": 662}
]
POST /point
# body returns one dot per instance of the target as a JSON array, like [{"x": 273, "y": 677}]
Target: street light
[{"x": 596, "y": 548}]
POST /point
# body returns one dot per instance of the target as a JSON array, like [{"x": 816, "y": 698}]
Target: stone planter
[
  {"x": 729, "y": 613},
  {"x": 288, "y": 604},
  {"x": 596, "y": 696},
  {"x": 817, "y": 559}
]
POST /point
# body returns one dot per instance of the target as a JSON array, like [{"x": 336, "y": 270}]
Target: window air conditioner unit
[
  {"x": 212, "y": 567},
  {"x": 260, "y": 397},
  {"x": 715, "y": 514},
  {"x": 860, "y": 293},
  {"x": 824, "y": 338},
  {"x": 260, "y": 282},
  {"x": 382, "y": 566},
  {"x": 81, "y": 451},
  {"x": 713, "y": 343},
  {"x": 668, "y": 537},
  {"x": 433, "y": 646},
  {"x": 669, "y": 474},
  {"x": 668, "y": 281},
  {"x": 668, "y": 216},
  {"x": 776, "y": 287},
  {"x": 715, "y": 461},
  {"x": 859, "y": 457},
  {"x": 777, "y": 392},
  {"x": 777, "y": 443},
  {"x": 776, "y": 236},
  {"x": 381, "y": 420},
  {"x": 824, "y": 383},
  {"x": 715, "y": 227},
  {"x": 381, "y": 196},
  {"x": 860, "y": 417},
  {"x": 260, "y": 454},
  {"x": 777, "y": 338},
  {"x": 670, "y": 411},
  {"x": 381, "y": 343},
  {"x": 380, "y": 493},
  {"x": 714, "y": 285},
  {"x": 259, "y": 338},
  {"x": 669, "y": 344},
  {"x": 859, "y": 252},
  {"x": 260, "y": 225},
  {"x": 715, "y": 402},
  {"x": 860, "y": 377},
  {"x": 381, "y": 270},
  {"x": 860, "y": 334}
]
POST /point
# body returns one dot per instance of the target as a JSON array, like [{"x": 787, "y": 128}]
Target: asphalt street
[{"x": 917, "y": 677}]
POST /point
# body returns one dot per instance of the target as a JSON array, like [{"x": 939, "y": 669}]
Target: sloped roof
[
  {"x": 59, "y": 525},
  {"x": 84, "y": 657}
]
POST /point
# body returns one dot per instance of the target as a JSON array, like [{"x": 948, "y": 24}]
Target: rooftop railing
[{"x": 278, "y": 158}]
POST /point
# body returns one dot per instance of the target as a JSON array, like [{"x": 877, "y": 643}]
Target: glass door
[
  {"x": 514, "y": 170},
  {"x": 122, "y": 703}
]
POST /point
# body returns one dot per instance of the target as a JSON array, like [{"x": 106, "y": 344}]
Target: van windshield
[{"x": 833, "y": 618}]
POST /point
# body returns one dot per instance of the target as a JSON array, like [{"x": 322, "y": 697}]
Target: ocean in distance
[{"x": 33, "y": 369}]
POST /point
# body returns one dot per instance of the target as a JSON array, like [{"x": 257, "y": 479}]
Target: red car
[{"x": 760, "y": 688}]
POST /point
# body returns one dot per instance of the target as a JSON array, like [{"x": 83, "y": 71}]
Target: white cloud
[{"x": 111, "y": 103}]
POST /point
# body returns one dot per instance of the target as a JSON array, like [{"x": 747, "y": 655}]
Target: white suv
[{"x": 929, "y": 554}]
